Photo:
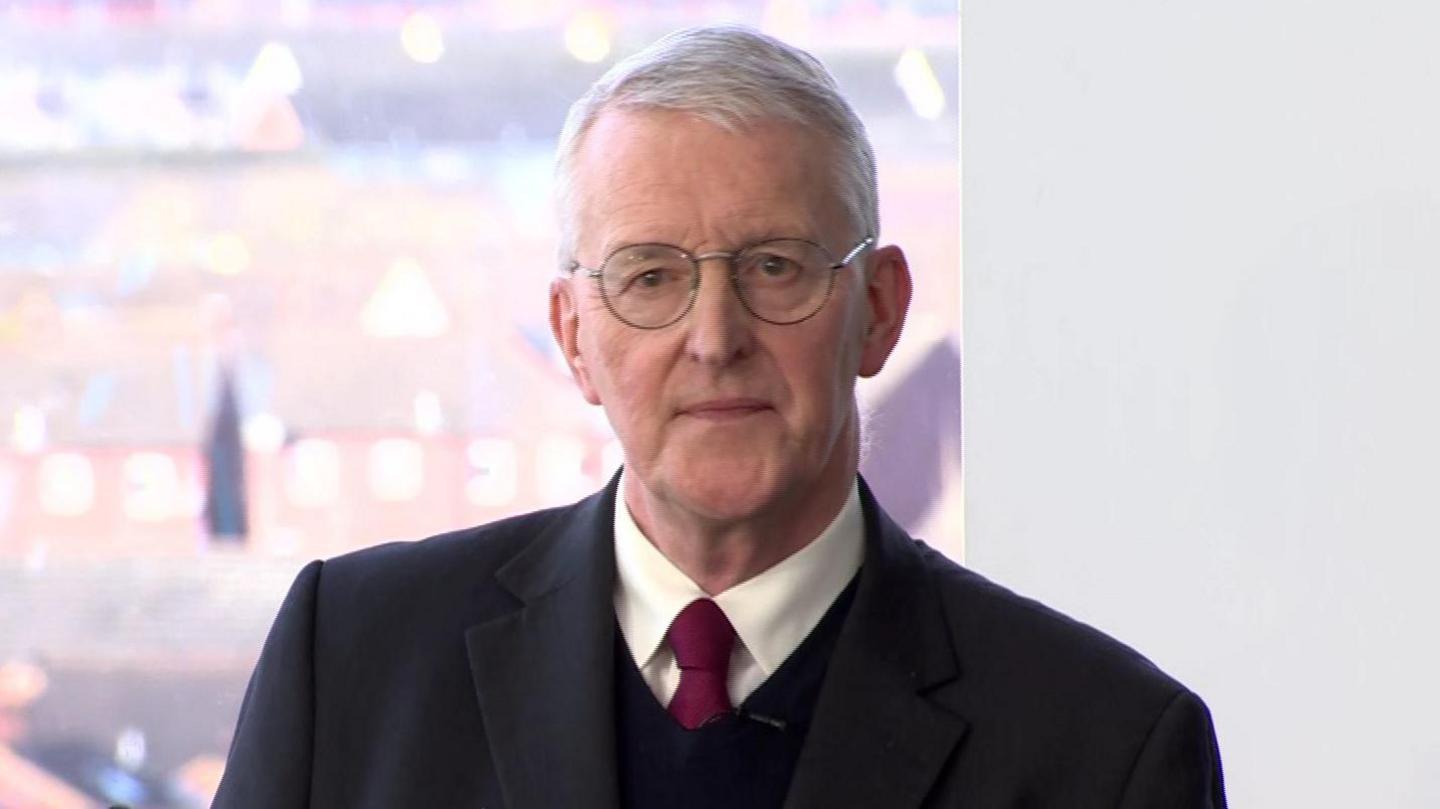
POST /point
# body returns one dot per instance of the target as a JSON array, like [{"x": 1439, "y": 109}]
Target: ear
[
  {"x": 565, "y": 326},
  {"x": 887, "y": 298}
]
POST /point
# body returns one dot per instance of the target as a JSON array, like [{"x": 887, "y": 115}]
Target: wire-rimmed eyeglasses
[{"x": 779, "y": 281}]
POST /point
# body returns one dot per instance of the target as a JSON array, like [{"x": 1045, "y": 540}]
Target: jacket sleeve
[
  {"x": 1179, "y": 765},
  {"x": 270, "y": 756}
]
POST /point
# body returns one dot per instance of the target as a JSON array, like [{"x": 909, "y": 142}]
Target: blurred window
[{"x": 273, "y": 287}]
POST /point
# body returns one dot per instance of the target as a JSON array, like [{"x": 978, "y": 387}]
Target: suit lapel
[
  {"x": 544, "y": 673},
  {"x": 879, "y": 738}
]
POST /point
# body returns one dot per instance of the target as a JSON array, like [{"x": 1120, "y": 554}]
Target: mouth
[{"x": 725, "y": 409}]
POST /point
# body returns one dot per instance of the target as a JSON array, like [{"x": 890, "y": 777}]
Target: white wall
[{"x": 1202, "y": 332}]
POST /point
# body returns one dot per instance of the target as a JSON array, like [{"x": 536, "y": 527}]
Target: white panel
[{"x": 1202, "y": 321}]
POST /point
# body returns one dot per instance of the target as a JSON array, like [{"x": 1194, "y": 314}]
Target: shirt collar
[{"x": 772, "y": 612}]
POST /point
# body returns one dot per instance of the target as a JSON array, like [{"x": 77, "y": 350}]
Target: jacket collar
[
  {"x": 880, "y": 719},
  {"x": 544, "y": 675}
]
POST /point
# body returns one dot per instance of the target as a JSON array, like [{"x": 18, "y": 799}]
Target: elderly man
[{"x": 733, "y": 621}]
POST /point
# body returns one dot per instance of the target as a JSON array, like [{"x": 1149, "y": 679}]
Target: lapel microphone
[{"x": 778, "y": 724}]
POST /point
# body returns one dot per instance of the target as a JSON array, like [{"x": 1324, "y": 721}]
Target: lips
[{"x": 725, "y": 409}]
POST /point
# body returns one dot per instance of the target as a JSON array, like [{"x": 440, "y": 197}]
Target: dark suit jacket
[{"x": 474, "y": 669}]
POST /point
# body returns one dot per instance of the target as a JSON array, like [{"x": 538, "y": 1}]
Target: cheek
[
  {"x": 603, "y": 347},
  {"x": 821, "y": 382},
  {"x": 628, "y": 376},
  {"x": 832, "y": 374}
]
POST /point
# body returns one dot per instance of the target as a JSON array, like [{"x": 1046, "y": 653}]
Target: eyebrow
[{"x": 770, "y": 234}]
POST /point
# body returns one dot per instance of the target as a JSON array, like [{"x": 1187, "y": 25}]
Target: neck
[{"x": 719, "y": 554}]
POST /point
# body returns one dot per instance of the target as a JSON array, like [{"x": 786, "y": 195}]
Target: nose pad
[{"x": 719, "y": 323}]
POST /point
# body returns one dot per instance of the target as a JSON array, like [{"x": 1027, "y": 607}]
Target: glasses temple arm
[{"x": 854, "y": 251}]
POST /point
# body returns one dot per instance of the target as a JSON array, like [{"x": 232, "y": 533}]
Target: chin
[{"x": 727, "y": 488}]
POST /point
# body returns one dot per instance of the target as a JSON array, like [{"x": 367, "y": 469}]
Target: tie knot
[{"x": 702, "y": 637}]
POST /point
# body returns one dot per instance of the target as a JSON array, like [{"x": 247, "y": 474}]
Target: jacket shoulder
[
  {"x": 1004, "y": 637},
  {"x": 489, "y": 545},
  {"x": 1066, "y": 710},
  {"x": 444, "y": 579}
]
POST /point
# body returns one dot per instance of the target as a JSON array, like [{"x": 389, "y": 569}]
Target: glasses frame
[{"x": 730, "y": 256}]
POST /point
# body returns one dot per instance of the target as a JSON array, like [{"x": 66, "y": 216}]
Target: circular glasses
[{"x": 779, "y": 281}]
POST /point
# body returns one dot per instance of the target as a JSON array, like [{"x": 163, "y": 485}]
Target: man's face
[{"x": 721, "y": 414}]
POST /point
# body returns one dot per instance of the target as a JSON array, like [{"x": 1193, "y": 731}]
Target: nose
[{"x": 720, "y": 328}]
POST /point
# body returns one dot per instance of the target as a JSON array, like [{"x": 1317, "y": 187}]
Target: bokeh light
[
  {"x": 587, "y": 37},
  {"x": 422, "y": 39},
  {"x": 918, "y": 82}
]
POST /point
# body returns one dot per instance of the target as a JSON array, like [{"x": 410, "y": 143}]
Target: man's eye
[
  {"x": 772, "y": 266},
  {"x": 651, "y": 279}
]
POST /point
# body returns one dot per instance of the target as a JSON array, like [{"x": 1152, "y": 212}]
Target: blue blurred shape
[
  {"x": 224, "y": 452},
  {"x": 97, "y": 397},
  {"x": 136, "y": 270}
]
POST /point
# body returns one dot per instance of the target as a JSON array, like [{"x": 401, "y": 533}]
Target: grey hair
[{"x": 730, "y": 76}]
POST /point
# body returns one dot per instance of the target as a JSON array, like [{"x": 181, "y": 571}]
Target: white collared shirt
[{"x": 771, "y": 612}]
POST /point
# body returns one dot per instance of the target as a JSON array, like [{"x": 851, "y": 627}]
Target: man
[{"x": 733, "y": 621}]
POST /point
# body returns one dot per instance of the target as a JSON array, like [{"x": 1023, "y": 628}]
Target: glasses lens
[
  {"x": 785, "y": 280},
  {"x": 647, "y": 285}
]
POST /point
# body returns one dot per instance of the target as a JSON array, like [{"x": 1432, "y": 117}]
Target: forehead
[{"x": 657, "y": 175}]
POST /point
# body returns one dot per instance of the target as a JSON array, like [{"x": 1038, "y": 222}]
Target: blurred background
[{"x": 273, "y": 287}]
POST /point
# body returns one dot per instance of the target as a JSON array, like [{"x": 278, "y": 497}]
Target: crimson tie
[{"x": 701, "y": 638}]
